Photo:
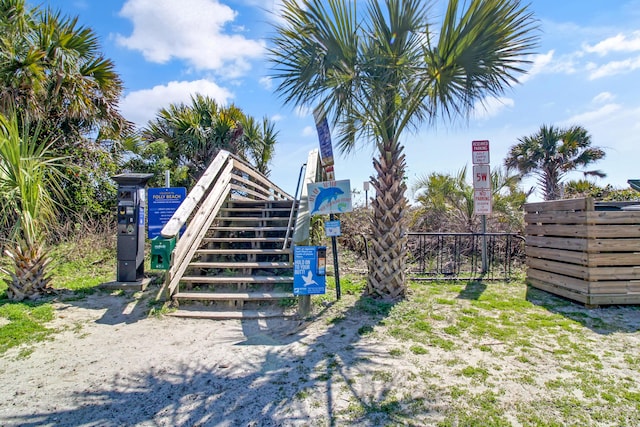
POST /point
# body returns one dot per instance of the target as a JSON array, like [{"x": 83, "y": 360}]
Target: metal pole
[
  {"x": 336, "y": 269},
  {"x": 485, "y": 268},
  {"x": 365, "y": 186},
  {"x": 167, "y": 176}
]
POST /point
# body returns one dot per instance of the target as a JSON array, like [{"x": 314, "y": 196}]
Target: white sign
[
  {"x": 481, "y": 177},
  {"x": 480, "y": 152},
  {"x": 482, "y": 202}
]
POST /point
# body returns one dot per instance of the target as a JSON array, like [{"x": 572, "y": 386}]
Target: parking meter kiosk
[{"x": 131, "y": 215}]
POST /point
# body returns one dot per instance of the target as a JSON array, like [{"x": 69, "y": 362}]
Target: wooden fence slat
[
  {"x": 572, "y": 270},
  {"x": 557, "y": 243},
  {"x": 584, "y": 204},
  {"x": 592, "y": 217},
  {"x": 614, "y": 259},
  {"x": 574, "y": 257},
  {"x": 595, "y": 259},
  {"x": 558, "y": 290},
  {"x": 613, "y": 245},
  {"x": 560, "y": 280},
  {"x": 591, "y": 231},
  {"x": 584, "y": 272}
]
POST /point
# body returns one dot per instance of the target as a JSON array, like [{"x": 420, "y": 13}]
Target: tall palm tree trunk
[{"x": 386, "y": 262}]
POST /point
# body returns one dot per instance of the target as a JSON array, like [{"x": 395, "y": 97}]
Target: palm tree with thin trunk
[
  {"x": 30, "y": 180},
  {"x": 195, "y": 133},
  {"x": 553, "y": 152},
  {"x": 380, "y": 72},
  {"x": 51, "y": 66}
]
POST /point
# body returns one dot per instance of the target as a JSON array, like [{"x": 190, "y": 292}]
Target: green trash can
[{"x": 161, "y": 252}]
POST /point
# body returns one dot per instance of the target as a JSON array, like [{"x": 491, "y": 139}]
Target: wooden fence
[{"x": 583, "y": 250}]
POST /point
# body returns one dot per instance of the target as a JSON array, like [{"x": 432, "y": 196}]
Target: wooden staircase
[{"x": 243, "y": 267}]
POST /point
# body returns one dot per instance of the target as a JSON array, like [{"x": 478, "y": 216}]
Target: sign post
[
  {"x": 326, "y": 155},
  {"x": 482, "y": 190}
]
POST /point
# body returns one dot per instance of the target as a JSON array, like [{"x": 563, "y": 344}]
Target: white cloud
[
  {"x": 266, "y": 82},
  {"x": 539, "y": 63},
  {"x": 603, "y": 97},
  {"x": 613, "y": 68},
  {"x": 142, "y": 105},
  {"x": 277, "y": 118},
  {"x": 189, "y": 30},
  {"x": 586, "y": 119},
  {"x": 491, "y": 107},
  {"x": 308, "y": 131},
  {"x": 546, "y": 63},
  {"x": 618, "y": 43}
]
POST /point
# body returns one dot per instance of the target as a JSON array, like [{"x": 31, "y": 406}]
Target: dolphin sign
[
  {"x": 329, "y": 197},
  {"x": 326, "y": 195}
]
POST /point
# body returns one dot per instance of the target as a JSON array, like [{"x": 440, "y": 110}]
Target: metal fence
[{"x": 458, "y": 256}]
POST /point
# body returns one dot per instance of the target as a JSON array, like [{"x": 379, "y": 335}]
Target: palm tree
[
  {"x": 381, "y": 72},
  {"x": 52, "y": 67},
  {"x": 448, "y": 198},
  {"x": 261, "y": 141},
  {"x": 29, "y": 184},
  {"x": 195, "y": 134},
  {"x": 553, "y": 152},
  {"x": 447, "y": 201}
]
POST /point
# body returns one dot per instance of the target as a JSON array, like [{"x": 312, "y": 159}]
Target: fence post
[{"x": 485, "y": 267}]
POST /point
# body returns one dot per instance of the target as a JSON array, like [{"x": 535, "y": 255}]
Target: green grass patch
[
  {"x": 24, "y": 323},
  {"x": 418, "y": 349}
]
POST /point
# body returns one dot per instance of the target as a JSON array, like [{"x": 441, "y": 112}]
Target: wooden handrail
[{"x": 183, "y": 213}]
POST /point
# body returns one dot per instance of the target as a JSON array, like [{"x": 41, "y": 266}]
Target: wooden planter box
[{"x": 588, "y": 252}]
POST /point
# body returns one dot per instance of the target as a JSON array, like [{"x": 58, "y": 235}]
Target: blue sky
[{"x": 586, "y": 72}]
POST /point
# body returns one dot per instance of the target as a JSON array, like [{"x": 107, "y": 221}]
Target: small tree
[
  {"x": 447, "y": 202},
  {"x": 551, "y": 153},
  {"x": 29, "y": 184}
]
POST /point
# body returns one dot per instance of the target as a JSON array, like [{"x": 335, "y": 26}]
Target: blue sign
[
  {"x": 329, "y": 197},
  {"x": 163, "y": 203},
  {"x": 324, "y": 137},
  {"x": 309, "y": 266},
  {"x": 332, "y": 228}
]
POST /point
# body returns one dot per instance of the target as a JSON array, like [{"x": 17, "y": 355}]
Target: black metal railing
[{"x": 458, "y": 256}]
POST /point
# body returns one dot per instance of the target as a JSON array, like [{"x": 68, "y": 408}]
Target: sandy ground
[{"x": 112, "y": 365}]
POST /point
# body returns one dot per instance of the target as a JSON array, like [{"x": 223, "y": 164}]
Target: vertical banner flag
[{"x": 324, "y": 137}]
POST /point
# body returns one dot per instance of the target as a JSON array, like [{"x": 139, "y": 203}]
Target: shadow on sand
[{"x": 272, "y": 392}]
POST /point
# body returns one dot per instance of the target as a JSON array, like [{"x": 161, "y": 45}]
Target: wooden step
[
  {"x": 236, "y": 279},
  {"x": 234, "y": 209},
  {"x": 232, "y": 296},
  {"x": 244, "y": 251},
  {"x": 240, "y": 264},
  {"x": 248, "y": 228},
  {"x": 242, "y": 239},
  {"x": 253, "y": 218},
  {"x": 229, "y": 315}
]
